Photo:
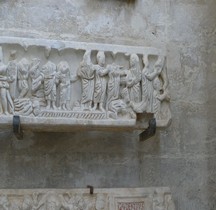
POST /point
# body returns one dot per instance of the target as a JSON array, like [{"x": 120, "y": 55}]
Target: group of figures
[
  {"x": 77, "y": 201},
  {"x": 117, "y": 90},
  {"x": 29, "y": 89},
  {"x": 42, "y": 93}
]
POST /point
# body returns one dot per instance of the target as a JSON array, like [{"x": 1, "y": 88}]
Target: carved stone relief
[
  {"x": 80, "y": 199},
  {"x": 94, "y": 83}
]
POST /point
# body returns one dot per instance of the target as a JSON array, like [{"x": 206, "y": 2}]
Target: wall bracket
[
  {"x": 17, "y": 127},
  {"x": 91, "y": 189},
  {"x": 150, "y": 131}
]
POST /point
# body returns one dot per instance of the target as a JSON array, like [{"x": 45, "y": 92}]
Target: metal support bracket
[
  {"x": 91, "y": 189},
  {"x": 17, "y": 127},
  {"x": 150, "y": 131}
]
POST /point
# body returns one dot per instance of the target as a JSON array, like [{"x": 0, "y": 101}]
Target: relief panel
[
  {"x": 80, "y": 199},
  {"x": 82, "y": 83}
]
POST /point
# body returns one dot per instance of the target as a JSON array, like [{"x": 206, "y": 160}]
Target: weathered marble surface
[
  {"x": 76, "y": 83},
  {"x": 81, "y": 199}
]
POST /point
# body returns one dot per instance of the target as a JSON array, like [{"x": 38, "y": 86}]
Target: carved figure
[
  {"x": 12, "y": 73},
  {"x": 147, "y": 86},
  {"x": 26, "y": 106},
  {"x": 37, "y": 78},
  {"x": 22, "y": 75},
  {"x": 86, "y": 74},
  {"x": 49, "y": 71},
  {"x": 134, "y": 79},
  {"x": 158, "y": 92},
  {"x": 159, "y": 95},
  {"x": 148, "y": 80},
  {"x": 114, "y": 103},
  {"x": 146, "y": 104},
  {"x": 6, "y": 100},
  {"x": 63, "y": 70},
  {"x": 155, "y": 95},
  {"x": 100, "y": 82}
]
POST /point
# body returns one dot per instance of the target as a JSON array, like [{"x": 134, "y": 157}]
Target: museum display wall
[{"x": 180, "y": 156}]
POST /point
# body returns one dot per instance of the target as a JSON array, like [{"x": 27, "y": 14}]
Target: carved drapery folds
[
  {"x": 96, "y": 82},
  {"x": 80, "y": 199}
]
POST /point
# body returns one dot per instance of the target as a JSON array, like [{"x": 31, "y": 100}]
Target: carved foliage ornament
[
  {"x": 94, "y": 82},
  {"x": 80, "y": 199}
]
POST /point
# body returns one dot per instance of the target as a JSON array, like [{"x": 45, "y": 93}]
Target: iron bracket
[
  {"x": 17, "y": 127},
  {"x": 150, "y": 131},
  {"x": 91, "y": 189}
]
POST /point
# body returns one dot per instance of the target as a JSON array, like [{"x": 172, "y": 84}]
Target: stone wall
[{"x": 181, "y": 156}]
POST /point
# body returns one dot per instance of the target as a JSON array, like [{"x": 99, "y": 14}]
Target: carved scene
[{"x": 96, "y": 86}]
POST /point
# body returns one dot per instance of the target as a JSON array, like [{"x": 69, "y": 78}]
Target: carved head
[
  {"x": 23, "y": 65},
  {"x": 101, "y": 58},
  {"x": 13, "y": 54},
  {"x": 134, "y": 60},
  {"x": 63, "y": 67},
  {"x": 49, "y": 68}
]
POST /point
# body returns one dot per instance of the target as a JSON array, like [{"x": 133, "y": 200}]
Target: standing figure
[
  {"x": 22, "y": 75},
  {"x": 159, "y": 93},
  {"x": 100, "y": 82},
  {"x": 5, "y": 97},
  {"x": 86, "y": 73},
  {"x": 49, "y": 71},
  {"x": 37, "y": 78},
  {"x": 148, "y": 77},
  {"x": 147, "y": 90},
  {"x": 134, "y": 82},
  {"x": 12, "y": 73},
  {"x": 63, "y": 70}
]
